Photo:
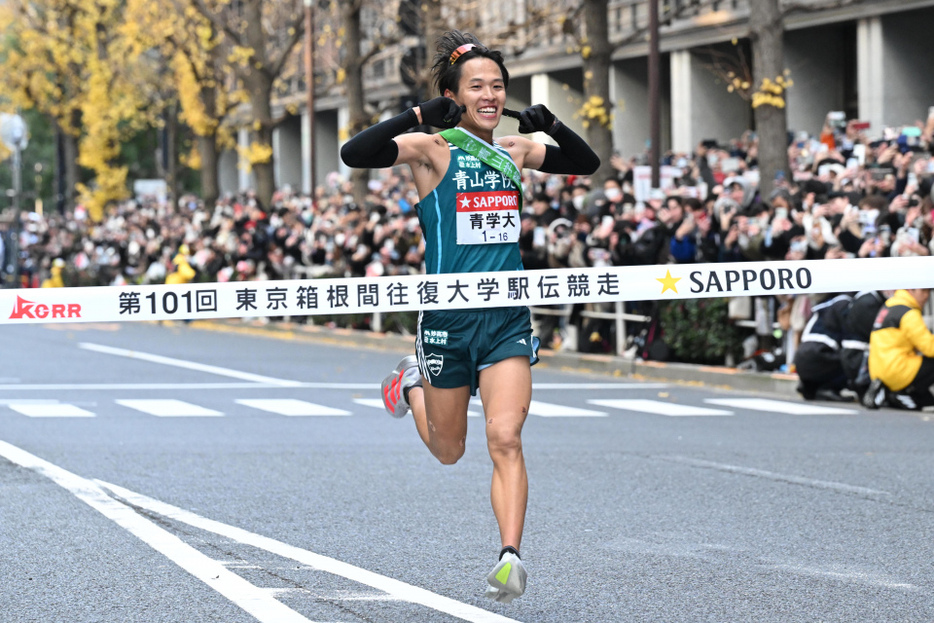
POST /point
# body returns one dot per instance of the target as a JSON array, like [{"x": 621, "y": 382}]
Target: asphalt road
[{"x": 155, "y": 473}]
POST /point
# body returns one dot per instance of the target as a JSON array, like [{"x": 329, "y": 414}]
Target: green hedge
[{"x": 699, "y": 331}]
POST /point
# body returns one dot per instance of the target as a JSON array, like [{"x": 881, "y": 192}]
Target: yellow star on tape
[{"x": 669, "y": 282}]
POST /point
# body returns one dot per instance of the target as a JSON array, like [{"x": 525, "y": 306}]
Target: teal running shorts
[{"x": 453, "y": 346}]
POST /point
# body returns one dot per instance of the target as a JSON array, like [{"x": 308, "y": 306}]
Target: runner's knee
[
  {"x": 448, "y": 453},
  {"x": 504, "y": 441}
]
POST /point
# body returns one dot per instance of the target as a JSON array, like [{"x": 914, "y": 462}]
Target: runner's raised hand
[
  {"x": 535, "y": 118},
  {"x": 441, "y": 112}
]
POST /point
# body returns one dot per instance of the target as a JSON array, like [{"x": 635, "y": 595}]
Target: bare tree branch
[
  {"x": 297, "y": 28},
  {"x": 216, "y": 20}
]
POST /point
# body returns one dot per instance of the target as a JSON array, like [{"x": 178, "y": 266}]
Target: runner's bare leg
[
  {"x": 506, "y": 391},
  {"x": 441, "y": 419}
]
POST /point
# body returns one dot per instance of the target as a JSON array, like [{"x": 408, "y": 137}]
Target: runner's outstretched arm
[
  {"x": 572, "y": 155},
  {"x": 374, "y": 148}
]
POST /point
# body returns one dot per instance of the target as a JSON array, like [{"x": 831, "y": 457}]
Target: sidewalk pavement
[{"x": 688, "y": 374}]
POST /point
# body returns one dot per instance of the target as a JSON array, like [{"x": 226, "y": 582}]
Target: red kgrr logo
[{"x": 40, "y": 311}]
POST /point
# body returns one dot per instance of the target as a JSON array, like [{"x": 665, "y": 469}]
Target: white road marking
[
  {"x": 549, "y": 386},
  {"x": 168, "y": 407},
  {"x": 188, "y": 365},
  {"x": 281, "y": 383},
  {"x": 394, "y": 588},
  {"x": 477, "y": 410},
  {"x": 863, "y": 576},
  {"x": 377, "y": 403},
  {"x": 290, "y": 407},
  {"x": 778, "y": 406},
  {"x": 547, "y": 409},
  {"x": 344, "y": 595},
  {"x": 43, "y": 387},
  {"x": 658, "y": 407},
  {"x": 49, "y": 410},
  {"x": 761, "y": 473},
  {"x": 256, "y": 601}
]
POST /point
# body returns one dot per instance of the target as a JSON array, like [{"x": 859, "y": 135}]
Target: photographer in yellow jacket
[{"x": 901, "y": 354}]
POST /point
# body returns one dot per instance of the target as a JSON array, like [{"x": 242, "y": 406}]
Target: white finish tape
[{"x": 243, "y": 299}]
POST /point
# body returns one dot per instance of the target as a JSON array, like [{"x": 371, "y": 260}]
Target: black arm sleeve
[
  {"x": 572, "y": 155},
  {"x": 374, "y": 148}
]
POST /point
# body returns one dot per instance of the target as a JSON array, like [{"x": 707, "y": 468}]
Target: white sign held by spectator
[
  {"x": 642, "y": 183},
  {"x": 151, "y": 188},
  {"x": 642, "y": 180}
]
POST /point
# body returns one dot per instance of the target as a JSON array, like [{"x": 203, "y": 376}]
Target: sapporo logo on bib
[{"x": 487, "y": 217}]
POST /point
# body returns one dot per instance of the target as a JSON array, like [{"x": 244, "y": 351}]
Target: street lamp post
[
  {"x": 310, "y": 90},
  {"x": 14, "y": 135},
  {"x": 654, "y": 97}
]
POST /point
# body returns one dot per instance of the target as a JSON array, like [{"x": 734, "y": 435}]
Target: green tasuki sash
[{"x": 486, "y": 154}]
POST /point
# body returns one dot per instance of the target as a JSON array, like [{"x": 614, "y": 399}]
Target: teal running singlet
[{"x": 471, "y": 219}]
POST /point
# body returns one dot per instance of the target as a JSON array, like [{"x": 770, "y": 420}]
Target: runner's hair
[{"x": 446, "y": 74}]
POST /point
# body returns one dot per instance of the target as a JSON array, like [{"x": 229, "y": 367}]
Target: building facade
[{"x": 868, "y": 58}]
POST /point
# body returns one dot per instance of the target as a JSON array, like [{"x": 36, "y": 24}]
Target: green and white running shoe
[{"x": 507, "y": 579}]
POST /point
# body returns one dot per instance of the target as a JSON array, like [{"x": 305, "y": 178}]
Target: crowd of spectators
[
  {"x": 853, "y": 192},
  {"x": 239, "y": 239}
]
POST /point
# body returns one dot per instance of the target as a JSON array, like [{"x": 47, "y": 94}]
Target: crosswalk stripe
[
  {"x": 28, "y": 401},
  {"x": 50, "y": 410},
  {"x": 290, "y": 407},
  {"x": 584, "y": 386},
  {"x": 169, "y": 407},
  {"x": 377, "y": 403},
  {"x": 541, "y": 409},
  {"x": 40, "y": 408},
  {"x": 658, "y": 407},
  {"x": 778, "y": 406},
  {"x": 547, "y": 409}
]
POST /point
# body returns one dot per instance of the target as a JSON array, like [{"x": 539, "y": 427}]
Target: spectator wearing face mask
[
  {"x": 614, "y": 197},
  {"x": 577, "y": 203}
]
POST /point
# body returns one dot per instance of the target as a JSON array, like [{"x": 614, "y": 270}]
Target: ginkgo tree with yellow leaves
[
  {"x": 766, "y": 32},
  {"x": 764, "y": 83},
  {"x": 359, "y": 46},
  {"x": 72, "y": 61},
  {"x": 190, "y": 46},
  {"x": 258, "y": 40},
  {"x": 98, "y": 69},
  {"x": 595, "y": 51}
]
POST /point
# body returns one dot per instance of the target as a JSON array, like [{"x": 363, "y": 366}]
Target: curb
[{"x": 679, "y": 373}]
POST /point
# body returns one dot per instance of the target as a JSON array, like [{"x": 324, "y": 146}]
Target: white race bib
[{"x": 487, "y": 217}]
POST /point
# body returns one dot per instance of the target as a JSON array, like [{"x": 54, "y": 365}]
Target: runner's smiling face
[{"x": 482, "y": 90}]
